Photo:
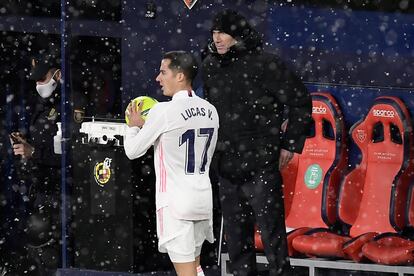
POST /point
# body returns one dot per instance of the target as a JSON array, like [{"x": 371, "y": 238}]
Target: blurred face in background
[
  {"x": 223, "y": 42},
  {"x": 48, "y": 83}
]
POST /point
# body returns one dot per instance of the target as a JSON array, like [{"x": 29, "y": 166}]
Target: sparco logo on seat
[
  {"x": 319, "y": 110},
  {"x": 383, "y": 113}
]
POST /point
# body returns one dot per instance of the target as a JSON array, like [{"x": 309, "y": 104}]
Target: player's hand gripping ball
[{"x": 147, "y": 104}]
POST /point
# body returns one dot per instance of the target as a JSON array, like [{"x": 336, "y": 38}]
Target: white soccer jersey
[{"x": 184, "y": 134}]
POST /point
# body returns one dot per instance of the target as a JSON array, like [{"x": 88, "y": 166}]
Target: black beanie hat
[{"x": 231, "y": 23}]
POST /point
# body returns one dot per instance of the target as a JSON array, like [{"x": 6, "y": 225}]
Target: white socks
[{"x": 200, "y": 271}]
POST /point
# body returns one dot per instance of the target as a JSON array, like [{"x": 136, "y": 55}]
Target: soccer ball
[{"x": 148, "y": 103}]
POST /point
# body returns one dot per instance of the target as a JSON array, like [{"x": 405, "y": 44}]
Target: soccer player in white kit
[{"x": 184, "y": 134}]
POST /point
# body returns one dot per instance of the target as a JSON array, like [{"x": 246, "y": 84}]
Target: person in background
[
  {"x": 43, "y": 229},
  {"x": 184, "y": 134},
  {"x": 250, "y": 89},
  {"x": 43, "y": 164}
]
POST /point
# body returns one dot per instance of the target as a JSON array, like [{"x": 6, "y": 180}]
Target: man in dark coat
[
  {"x": 250, "y": 89},
  {"x": 37, "y": 150}
]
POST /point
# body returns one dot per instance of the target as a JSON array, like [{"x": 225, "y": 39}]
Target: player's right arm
[{"x": 138, "y": 141}]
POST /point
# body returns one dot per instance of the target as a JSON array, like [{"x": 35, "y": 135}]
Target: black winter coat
[
  {"x": 46, "y": 164},
  {"x": 250, "y": 89}
]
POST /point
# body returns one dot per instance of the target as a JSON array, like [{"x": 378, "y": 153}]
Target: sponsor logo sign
[
  {"x": 313, "y": 176},
  {"x": 102, "y": 172},
  {"x": 319, "y": 109},
  {"x": 385, "y": 113},
  {"x": 361, "y": 135}
]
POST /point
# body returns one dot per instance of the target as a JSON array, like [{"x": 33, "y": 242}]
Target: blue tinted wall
[
  {"x": 355, "y": 55},
  {"x": 174, "y": 28},
  {"x": 339, "y": 46}
]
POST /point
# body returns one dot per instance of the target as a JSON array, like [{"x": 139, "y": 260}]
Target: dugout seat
[
  {"x": 399, "y": 247},
  {"x": 311, "y": 178},
  {"x": 395, "y": 247},
  {"x": 390, "y": 249},
  {"x": 322, "y": 242},
  {"x": 409, "y": 214},
  {"x": 373, "y": 196},
  {"x": 389, "y": 168},
  {"x": 320, "y": 167}
]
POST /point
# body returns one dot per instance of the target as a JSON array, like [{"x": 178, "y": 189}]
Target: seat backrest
[
  {"x": 409, "y": 213},
  {"x": 319, "y": 167},
  {"x": 289, "y": 174},
  {"x": 352, "y": 185},
  {"x": 388, "y": 168}
]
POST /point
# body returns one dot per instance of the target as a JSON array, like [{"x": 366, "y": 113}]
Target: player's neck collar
[{"x": 184, "y": 94}]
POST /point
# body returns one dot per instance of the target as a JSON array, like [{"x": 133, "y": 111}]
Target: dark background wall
[
  {"x": 356, "y": 52},
  {"x": 332, "y": 46}
]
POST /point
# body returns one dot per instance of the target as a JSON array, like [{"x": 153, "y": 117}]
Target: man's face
[
  {"x": 167, "y": 79},
  {"x": 223, "y": 42}
]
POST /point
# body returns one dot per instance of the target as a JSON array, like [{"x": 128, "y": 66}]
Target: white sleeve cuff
[{"x": 132, "y": 130}]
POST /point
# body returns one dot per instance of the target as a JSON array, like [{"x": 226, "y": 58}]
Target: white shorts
[{"x": 182, "y": 239}]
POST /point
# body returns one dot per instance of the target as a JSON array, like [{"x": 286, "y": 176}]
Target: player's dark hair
[{"x": 183, "y": 62}]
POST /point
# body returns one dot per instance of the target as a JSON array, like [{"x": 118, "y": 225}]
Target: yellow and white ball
[{"x": 147, "y": 104}]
